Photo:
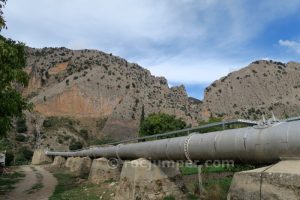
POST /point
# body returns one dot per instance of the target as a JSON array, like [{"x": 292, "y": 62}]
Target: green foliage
[
  {"x": 170, "y": 197},
  {"x": 21, "y": 125},
  {"x": 26, "y": 152},
  {"x": 69, "y": 187},
  {"x": 157, "y": 123},
  {"x": 20, "y": 159},
  {"x": 84, "y": 134},
  {"x": 23, "y": 156},
  {"x": 217, "y": 188},
  {"x": 20, "y": 138},
  {"x": 47, "y": 123},
  {"x": 55, "y": 122},
  {"x": 2, "y": 21},
  {"x": 12, "y": 61},
  {"x": 188, "y": 170},
  {"x": 75, "y": 145},
  {"x": 9, "y": 157}
]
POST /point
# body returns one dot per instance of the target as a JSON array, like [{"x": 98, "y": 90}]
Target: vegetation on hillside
[{"x": 157, "y": 123}]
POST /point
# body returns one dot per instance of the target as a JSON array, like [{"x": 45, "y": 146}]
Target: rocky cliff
[
  {"x": 104, "y": 91},
  {"x": 87, "y": 94},
  {"x": 260, "y": 88}
]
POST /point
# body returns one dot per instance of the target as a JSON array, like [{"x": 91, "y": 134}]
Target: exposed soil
[{"x": 22, "y": 188}]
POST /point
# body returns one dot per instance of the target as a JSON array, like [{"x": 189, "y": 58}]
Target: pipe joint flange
[
  {"x": 186, "y": 147},
  {"x": 117, "y": 151}
]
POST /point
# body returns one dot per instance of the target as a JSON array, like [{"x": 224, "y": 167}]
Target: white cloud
[
  {"x": 185, "y": 40},
  {"x": 293, "y": 45}
]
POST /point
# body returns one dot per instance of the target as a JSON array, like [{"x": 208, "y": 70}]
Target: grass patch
[
  {"x": 186, "y": 170},
  {"x": 7, "y": 181},
  {"x": 217, "y": 188},
  {"x": 170, "y": 197},
  {"x": 189, "y": 170},
  {"x": 71, "y": 187}
]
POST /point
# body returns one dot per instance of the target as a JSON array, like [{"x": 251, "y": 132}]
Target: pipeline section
[{"x": 258, "y": 144}]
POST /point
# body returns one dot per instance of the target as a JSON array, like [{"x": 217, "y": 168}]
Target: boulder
[
  {"x": 39, "y": 157},
  {"x": 102, "y": 171},
  {"x": 279, "y": 182},
  {"x": 140, "y": 179}
]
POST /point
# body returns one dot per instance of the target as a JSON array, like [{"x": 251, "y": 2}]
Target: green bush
[
  {"x": 21, "y": 125},
  {"x": 20, "y": 159},
  {"x": 47, "y": 123},
  {"x": 75, "y": 145},
  {"x": 170, "y": 197},
  {"x": 26, "y": 152},
  {"x": 20, "y": 138},
  {"x": 157, "y": 123},
  {"x": 9, "y": 157},
  {"x": 84, "y": 134}
]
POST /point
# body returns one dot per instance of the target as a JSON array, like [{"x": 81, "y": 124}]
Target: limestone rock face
[
  {"x": 58, "y": 162},
  {"x": 89, "y": 84},
  {"x": 39, "y": 157},
  {"x": 277, "y": 182},
  {"x": 261, "y": 87},
  {"x": 140, "y": 179},
  {"x": 80, "y": 166},
  {"x": 101, "y": 171}
]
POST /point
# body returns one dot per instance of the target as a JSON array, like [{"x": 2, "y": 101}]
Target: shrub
[
  {"x": 84, "y": 134},
  {"x": 75, "y": 145},
  {"x": 157, "y": 123},
  {"x": 21, "y": 125},
  {"x": 20, "y": 138},
  {"x": 47, "y": 123},
  {"x": 9, "y": 157},
  {"x": 27, "y": 153}
]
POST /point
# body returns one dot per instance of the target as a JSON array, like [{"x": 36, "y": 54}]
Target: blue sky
[{"x": 190, "y": 42}]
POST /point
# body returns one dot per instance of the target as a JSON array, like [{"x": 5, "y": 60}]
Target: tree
[
  {"x": 12, "y": 62},
  {"x": 157, "y": 123},
  {"x": 2, "y": 21}
]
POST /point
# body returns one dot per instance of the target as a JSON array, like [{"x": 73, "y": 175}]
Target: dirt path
[{"x": 36, "y": 177}]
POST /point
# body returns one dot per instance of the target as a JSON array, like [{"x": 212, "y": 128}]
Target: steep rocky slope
[
  {"x": 260, "y": 88},
  {"x": 104, "y": 92},
  {"x": 83, "y": 95}
]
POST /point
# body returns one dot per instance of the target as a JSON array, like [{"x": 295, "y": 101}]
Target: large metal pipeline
[{"x": 265, "y": 143}]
